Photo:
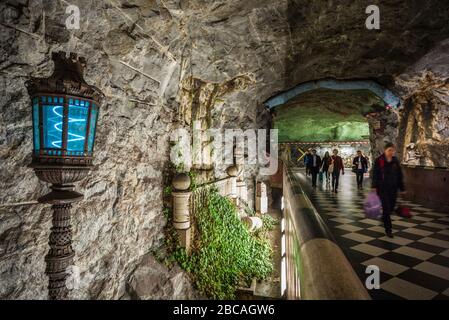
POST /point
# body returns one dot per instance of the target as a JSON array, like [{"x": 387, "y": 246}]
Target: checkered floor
[{"x": 414, "y": 264}]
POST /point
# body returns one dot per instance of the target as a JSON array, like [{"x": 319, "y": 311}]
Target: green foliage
[
  {"x": 193, "y": 182},
  {"x": 224, "y": 254},
  {"x": 168, "y": 190},
  {"x": 248, "y": 210},
  {"x": 167, "y": 212},
  {"x": 179, "y": 167},
  {"x": 269, "y": 222}
]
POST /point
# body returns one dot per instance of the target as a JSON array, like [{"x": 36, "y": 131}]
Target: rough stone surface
[
  {"x": 141, "y": 54},
  {"x": 425, "y": 115},
  {"x": 150, "y": 280}
]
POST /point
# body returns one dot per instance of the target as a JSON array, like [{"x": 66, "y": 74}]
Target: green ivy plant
[
  {"x": 224, "y": 254},
  {"x": 193, "y": 180},
  {"x": 268, "y": 222},
  {"x": 168, "y": 190}
]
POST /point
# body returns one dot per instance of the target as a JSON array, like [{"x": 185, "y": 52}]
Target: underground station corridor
[
  {"x": 189, "y": 154},
  {"x": 352, "y": 119},
  {"x": 413, "y": 265}
]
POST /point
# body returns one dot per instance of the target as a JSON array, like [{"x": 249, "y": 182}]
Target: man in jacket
[
  {"x": 360, "y": 166},
  {"x": 314, "y": 164},
  {"x": 338, "y": 166},
  {"x": 387, "y": 180}
]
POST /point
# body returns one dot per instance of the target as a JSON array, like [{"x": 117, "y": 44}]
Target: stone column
[
  {"x": 261, "y": 198},
  {"x": 242, "y": 190},
  {"x": 181, "y": 208},
  {"x": 232, "y": 188},
  {"x": 61, "y": 253}
]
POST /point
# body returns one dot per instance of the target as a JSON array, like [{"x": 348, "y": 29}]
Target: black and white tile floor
[{"x": 413, "y": 265}]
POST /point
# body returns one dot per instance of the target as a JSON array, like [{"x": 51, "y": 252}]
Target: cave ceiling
[
  {"x": 285, "y": 43},
  {"x": 280, "y": 44}
]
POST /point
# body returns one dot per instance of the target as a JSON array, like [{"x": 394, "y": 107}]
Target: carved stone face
[{"x": 411, "y": 146}]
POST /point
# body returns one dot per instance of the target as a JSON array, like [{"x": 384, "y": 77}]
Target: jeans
[
  {"x": 326, "y": 175},
  {"x": 359, "y": 177},
  {"x": 308, "y": 170},
  {"x": 314, "y": 171},
  {"x": 335, "y": 179},
  {"x": 388, "y": 199}
]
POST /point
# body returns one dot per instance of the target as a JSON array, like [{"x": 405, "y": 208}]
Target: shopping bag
[
  {"x": 404, "y": 212},
  {"x": 372, "y": 206},
  {"x": 320, "y": 176}
]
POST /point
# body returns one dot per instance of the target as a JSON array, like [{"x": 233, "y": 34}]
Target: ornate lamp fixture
[{"x": 65, "y": 111}]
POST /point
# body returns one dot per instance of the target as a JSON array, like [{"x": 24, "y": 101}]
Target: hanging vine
[{"x": 224, "y": 254}]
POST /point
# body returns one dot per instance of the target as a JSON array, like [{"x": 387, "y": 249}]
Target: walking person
[
  {"x": 326, "y": 161},
  {"x": 360, "y": 166},
  {"x": 387, "y": 180},
  {"x": 367, "y": 162},
  {"x": 337, "y": 164},
  {"x": 315, "y": 165},
  {"x": 307, "y": 161}
]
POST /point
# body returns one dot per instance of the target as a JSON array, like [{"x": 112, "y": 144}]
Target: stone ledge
[{"x": 322, "y": 279}]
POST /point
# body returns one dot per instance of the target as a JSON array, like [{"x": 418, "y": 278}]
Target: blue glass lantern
[
  {"x": 63, "y": 125},
  {"x": 65, "y": 113}
]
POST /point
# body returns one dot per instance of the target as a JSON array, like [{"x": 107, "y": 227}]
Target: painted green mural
[{"x": 326, "y": 115}]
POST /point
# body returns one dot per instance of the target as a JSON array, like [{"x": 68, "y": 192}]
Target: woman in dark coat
[
  {"x": 387, "y": 180},
  {"x": 327, "y": 160}
]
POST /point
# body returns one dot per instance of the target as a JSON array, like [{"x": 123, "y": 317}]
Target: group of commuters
[
  {"x": 386, "y": 176},
  {"x": 329, "y": 166}
]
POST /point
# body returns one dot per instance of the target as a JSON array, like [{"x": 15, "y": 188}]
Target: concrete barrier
[{"x": 316, "y": 267}]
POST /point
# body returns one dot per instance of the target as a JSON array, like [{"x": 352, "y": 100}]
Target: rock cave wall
[{"x": 424, "y": 118}]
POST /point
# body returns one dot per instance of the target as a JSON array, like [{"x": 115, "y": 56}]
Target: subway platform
[{"x": 413, "y": 265}]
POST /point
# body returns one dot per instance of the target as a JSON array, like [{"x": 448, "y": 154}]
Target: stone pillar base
[
  {"x": 261, "y": 205},
  {"x": 185, "y": 238}
]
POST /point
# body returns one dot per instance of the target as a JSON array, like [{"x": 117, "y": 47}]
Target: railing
[
  {"x": 186, "y": 202},
  {"x": 198, "y": 197},
  {"x": 315, "y": 266}
]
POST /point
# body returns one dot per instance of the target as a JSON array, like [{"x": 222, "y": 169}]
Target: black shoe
[
  {"x": 389, "y": 234},
  {"x": 336, "y": 191}
]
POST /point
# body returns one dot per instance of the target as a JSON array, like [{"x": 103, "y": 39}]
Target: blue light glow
[
  {"x": 72, "y": 137},
  {"x": 36, "y": 125},
  {"x": 386, "y": 95},
  {"x": 54, "y": 114}
]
